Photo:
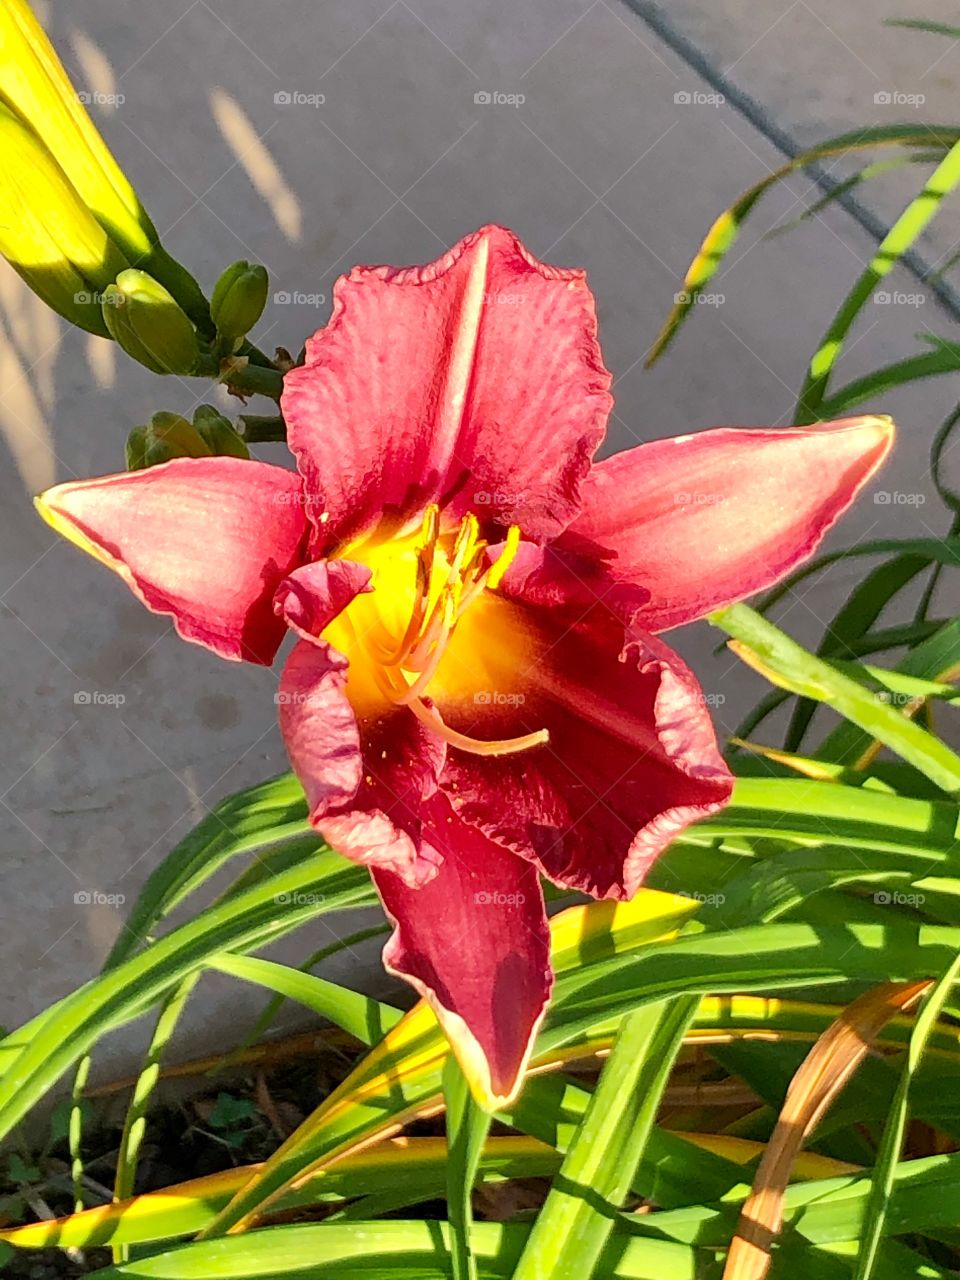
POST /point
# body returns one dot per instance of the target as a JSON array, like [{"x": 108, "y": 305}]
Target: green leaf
[
  {"x": 885, "y": 1169},
  {"x": 928, "y": 364},
  {"x": 946, "y": 551},
  {"x": 921, "y": 24},
  {"x": 135, "y": 1120},
  {"x": 934, "y": 658},
  {"x": 467, "y": 1129},
  {"x": 228, "y": 1112},
  {"x": 789, "y": 665},
  {"x": 262, "y": 1025},
  {"x": 362, "y": 1017},
  {"x": 911, "y": 224},
  {"x": 250, "y": 821},
  {"x": 573, "y": 1227},
  {"x": 723, "y": 234},
  {"x": 280, "y": 904},
  {"x": 378, "y": 1251},
  {"x": 865, "y": 174},
  {"x": 855, "y": 617}
]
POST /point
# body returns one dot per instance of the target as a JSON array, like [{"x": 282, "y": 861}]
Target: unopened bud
[
  {"x": 239, "y": 297},
  {"x": 168, "y": 436},
  {"x": 149, "y": 324},
  {"x": 218, "y": 434}
]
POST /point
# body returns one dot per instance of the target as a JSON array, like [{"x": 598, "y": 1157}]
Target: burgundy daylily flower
[{"x": 477, "y": 694}]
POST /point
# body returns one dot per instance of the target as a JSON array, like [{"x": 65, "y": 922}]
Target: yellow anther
[
  {"x": 465, "y": 544},
  {"x": 506, "y": 558},
  {"x": 450, "y": 572}
]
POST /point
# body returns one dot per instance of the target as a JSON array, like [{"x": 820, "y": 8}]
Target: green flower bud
[
  {"x": 218, "y": 434},
  {"x": 239, "y": 297},
  {"x": 136, "y": 448},
  {"x": 149, "y": 324},
  {"x": 168, "y": 436}
]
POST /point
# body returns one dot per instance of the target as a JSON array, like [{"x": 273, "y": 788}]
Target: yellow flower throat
[{"x": 433, "y": 627}]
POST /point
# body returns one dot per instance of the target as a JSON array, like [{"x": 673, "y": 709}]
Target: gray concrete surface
[{"x": 601, "y": 165}]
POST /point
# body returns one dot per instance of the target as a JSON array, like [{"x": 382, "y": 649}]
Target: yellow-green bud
[
  {"x": 239, "y": 297},
  {"x": 136, "y": 448},
  {"x": 149, "y": 324},
  {"x": 168, "y": 436},
  {"x": 218, "y": 434}
]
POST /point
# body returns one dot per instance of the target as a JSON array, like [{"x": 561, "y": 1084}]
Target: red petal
[
  {"x": 707, "y": 519},
  {"x": 631, "y": 760},
  {"x": 474, "y": 942},
  {"x": 365, "y": 782},
  {"x": 313, "y": 595},
  {"x": 476, "y": 379},
  {"x": 318, "y": 725},
  {"x": 206, "y": 540}
]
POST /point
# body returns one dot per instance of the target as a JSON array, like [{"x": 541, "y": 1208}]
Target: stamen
[
  {"x": 430, "y": 669},
  {"x": 476, "y": 746},
  {"x": 434, "y": 616},
  {"x": 429, "y": 536},
  {"x": 506, "y": 558}
]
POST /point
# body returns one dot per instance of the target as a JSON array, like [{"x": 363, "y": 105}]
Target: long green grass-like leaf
[
  {"x": 943, "y": 550},
  {"x": 590, "y": 1000},
  {"x": 853, "y": 620},
  {"x": 868, "y": 173},
  {"x": 911, "y": 224},
  {"x": 361, "y": 1016},
  {"x": 926, "y": 364},
  {"x": 787, "y": 664},
  {"x": 885, "y": 1169},
  {"x": 922, "y": 24},
  {"x": 673, "y": 1172},
  {"x": 415, "y": 1250},
  {"x": 254, "y": 821},
  {"x": 251, "y": 821},
  {"x": 925, "y": 1197},
  {"x": 265, "y": 1020},
  {"x": 467, "y": 1128},
  {"x": 575, "y": 1223},
  {"x": 943, "y": 437},
  {"x": 270, "y": 910},
  {"x": 723, "y": 234},
  {"x": 935, "y": 658},
  {"x": 135, "y": 1120}
]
